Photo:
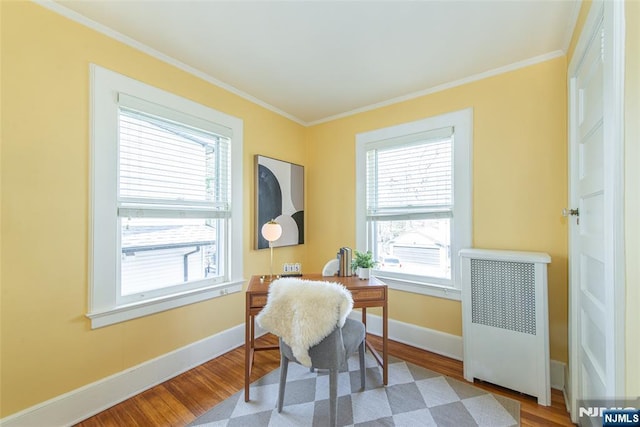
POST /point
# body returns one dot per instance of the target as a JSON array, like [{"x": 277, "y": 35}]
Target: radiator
[{"x": 505, "y": 324}]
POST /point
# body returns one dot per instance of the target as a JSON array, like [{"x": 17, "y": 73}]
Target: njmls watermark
[{"x": 609, "y": 412}]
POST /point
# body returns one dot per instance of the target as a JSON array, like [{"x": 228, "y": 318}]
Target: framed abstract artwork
[{"x": 279, "y": 197}]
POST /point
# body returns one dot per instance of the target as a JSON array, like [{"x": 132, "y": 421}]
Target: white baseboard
[
  {"x": 416, "y": 336},
  {"x": 84, "y": 402},
  {"x": 440, "y": 342},
  {"x": 567, "y": 392},
  {"x": 557, "y": 374}
]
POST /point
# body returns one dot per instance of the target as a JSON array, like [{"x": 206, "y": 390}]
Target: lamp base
[{"x": 268, "y": 277}]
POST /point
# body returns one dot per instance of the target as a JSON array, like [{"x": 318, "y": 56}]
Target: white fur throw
[{"x": 303, "y": 312}]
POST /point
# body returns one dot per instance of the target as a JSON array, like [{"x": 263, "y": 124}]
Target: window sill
[
  {"x": 123, "y": 313},
  {"x": 429, "y": 289}
]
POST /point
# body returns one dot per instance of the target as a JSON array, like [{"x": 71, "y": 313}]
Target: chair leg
[
  {"x": 361, "y": 350},
  {"x": 333, "y": 397},
  {"x": 284, "y": 365}
]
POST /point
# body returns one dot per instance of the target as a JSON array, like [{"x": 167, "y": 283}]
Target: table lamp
[{"x": 271, "y": 231}]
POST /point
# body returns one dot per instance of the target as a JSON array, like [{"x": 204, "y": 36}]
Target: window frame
[
  {"x": 104, "y": 249},
  {"x": 461, "y": 237}
]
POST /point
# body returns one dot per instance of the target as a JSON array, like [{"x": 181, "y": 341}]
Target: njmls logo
[
  {"x": 599, "y": 412},
  {"x": 623, "y": 417},
  {"x": 609, "y": 413}
]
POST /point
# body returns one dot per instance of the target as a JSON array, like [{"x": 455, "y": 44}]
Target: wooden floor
[{"x": 180, "y": 400}]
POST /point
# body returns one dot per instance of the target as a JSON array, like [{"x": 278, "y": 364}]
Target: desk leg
[
  {"x": 385, "y": 337},
  {"x": 383, "y": 360},
  {"x": 248, "y": 350}
]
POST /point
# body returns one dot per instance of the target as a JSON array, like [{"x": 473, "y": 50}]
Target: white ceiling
[{"x": 315, "y": 60}]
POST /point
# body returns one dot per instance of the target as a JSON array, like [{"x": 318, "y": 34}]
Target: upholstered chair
[
  {"x": 310, "y": 319},
  {"x": 331, "y": 354}
]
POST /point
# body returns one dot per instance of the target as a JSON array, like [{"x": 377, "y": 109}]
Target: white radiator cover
[{"x": 505, "y": 325}]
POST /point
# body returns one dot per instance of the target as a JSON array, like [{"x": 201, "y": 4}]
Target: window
[
  {"x": 166, "y": 200},
  {"x": 413, "y": 208}
]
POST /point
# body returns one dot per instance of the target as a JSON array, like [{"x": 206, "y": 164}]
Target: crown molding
[
  {"x": 103, "y": 29},
  {"x": 74, "y": 16},
  {"x": 445, "y": 86}
]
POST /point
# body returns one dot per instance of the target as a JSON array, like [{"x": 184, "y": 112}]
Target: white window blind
[
  {"x": 171, "y": 169},
  {"x": 413, "y": 201},
  {"x": 174, "y": 181},
  {"x": 410, "y": 178}
]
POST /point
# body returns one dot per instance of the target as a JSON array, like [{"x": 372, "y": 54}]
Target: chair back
[
  {"x": 327, "y": 354},
  {"x": 304, "y": 312}
]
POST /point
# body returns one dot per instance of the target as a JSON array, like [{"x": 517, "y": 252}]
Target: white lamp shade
[{"x": 271, "y": 231}]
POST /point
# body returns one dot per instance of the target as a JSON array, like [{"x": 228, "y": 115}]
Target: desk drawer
[
  {"x": 257, "y": 300},
  {"x": 375, "y": 294}
]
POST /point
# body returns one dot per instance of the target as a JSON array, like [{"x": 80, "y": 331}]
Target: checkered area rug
[{"x": 415, "y": 396}]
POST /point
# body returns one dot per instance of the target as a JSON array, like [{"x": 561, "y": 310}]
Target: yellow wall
[
  {"x": 519, "y": 180},
  {"x": 48, "y": 347},
  {"x": 632, "y": 195}
]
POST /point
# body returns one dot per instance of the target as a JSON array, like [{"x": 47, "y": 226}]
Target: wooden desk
[{"x": 366, "y": 293}]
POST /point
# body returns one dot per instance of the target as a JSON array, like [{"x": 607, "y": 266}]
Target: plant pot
[{"x": 363, "y": 273}]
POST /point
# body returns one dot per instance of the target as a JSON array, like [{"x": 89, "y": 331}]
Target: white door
[{"x": 595, "y": 259}]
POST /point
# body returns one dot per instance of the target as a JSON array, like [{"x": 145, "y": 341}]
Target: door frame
[{"x": 612, "y": 14}]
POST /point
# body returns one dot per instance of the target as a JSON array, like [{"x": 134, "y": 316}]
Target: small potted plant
[{"x": 362, "y": 262}]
